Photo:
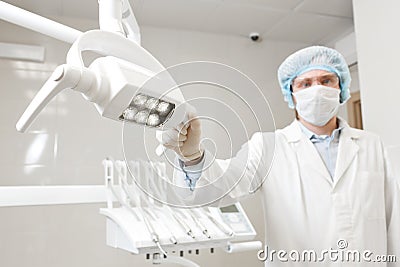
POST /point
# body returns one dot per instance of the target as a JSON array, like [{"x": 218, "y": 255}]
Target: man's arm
[
  {"x": 216, "y": 182},
  {"x": 225, "y": 181}
]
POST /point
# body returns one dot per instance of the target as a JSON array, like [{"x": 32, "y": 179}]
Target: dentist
[{"x": 321, "y": 180}]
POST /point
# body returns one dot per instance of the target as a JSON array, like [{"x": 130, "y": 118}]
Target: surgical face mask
[{"x": 317, "y": 104}]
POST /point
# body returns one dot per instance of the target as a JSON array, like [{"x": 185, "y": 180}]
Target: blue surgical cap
[{"x": 314, "y": 58}]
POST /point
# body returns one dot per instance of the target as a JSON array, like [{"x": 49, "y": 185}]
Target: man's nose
[{"x": 316, "y": 82}]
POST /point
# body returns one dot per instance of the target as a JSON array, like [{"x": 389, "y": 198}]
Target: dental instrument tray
[{"x": 147, "y": 227}]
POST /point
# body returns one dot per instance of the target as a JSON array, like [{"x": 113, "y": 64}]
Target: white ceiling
[{"x": 307, "y": 21}]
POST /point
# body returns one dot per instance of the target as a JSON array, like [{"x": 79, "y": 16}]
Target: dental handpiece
[
  {"x": 149, "y": 226},
  {"x": 157, "y": 188},
  {"x": 124, "y": 186},
  {"x": 149, "y": 169},
  {"x": 182, "y": 223},
  {"x": 153, "y": 233},
  {"x": 172, "y": 238},
  {"x": 199, "y": 224},
  {"x": 222, "y": 226}
]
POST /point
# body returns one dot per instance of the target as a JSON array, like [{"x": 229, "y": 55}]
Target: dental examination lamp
[{"x": 117, "y": 81}]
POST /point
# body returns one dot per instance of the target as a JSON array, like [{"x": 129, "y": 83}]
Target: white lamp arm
[
  {"x": 130, "y": 24},
  {"x": 37, "y": 23},
  {"x": 110, "y": 16},
  {"x": 117, "y": 16}
]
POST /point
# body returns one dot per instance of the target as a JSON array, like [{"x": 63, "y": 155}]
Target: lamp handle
[{"x": 63, "y": 77}]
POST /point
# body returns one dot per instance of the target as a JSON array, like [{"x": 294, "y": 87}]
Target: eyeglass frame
[{"x": 314, "y": 79}]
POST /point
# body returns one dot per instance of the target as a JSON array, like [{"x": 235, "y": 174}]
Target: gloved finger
[
  {"x": 182, "y": 128},
  {"x": 176, "y": 135},
  {"x": 171, "y": 136},
  {"x": 170, "y": 147},
  {"x": 175, "y": 148},
  {"x": 164, "y": 139},
  {"x": 194, "y": 121}
]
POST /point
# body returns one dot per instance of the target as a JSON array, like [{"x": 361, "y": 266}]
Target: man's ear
[
  {"x": 294, "y": 100},
  {"x": 296, "y": 114},
  {"x": 294, "y": 103}
]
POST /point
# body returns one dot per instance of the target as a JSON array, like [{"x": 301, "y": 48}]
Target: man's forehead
[{"x": 313, "y": 73}]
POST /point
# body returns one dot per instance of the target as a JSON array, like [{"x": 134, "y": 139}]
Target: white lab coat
[{"x": 303, "y": 208}]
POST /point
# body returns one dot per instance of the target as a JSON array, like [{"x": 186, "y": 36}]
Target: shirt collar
[{"x": 311, "y": 135}]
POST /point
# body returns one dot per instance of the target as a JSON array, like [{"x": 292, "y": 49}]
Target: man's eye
[
  {"x": 306, "y": 84},
  {"x": 326, "y": 81}
]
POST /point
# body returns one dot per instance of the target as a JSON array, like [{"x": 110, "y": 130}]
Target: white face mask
[{"x": 317, "y": 104}]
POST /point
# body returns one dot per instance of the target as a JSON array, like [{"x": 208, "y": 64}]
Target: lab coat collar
[
  {"x": 347, "y": 150},
  {"x": 294, "y": 133},
  {"x": 306, "y": 152},
  {"x": 313, "y": 136}
]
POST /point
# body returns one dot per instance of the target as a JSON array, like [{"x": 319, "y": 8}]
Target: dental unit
[{"x": 125, "y": 83}]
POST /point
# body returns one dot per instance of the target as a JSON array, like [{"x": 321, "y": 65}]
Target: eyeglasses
[{"x": 331, "y": 80}]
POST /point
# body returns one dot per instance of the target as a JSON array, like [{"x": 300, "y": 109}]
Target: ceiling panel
[
  {"x": 178, "y": 14},
  {"x": 136, "y": 4},
  {"x": 299, "y": 27},
  {"x": 273, "y": 4},
  {"x": 243, "y": 19},
  {"x": 340, "y": 8},
  {"x": 86, "y": 9},
  {"x": 285, "y": 20},
  {"x": 41, "y": 7}
]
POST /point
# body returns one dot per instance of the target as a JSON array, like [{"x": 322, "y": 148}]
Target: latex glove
[{"x": 184, "y": 139}]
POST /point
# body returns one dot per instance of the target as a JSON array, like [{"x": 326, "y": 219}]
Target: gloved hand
[{"x": 184, "y": 139}]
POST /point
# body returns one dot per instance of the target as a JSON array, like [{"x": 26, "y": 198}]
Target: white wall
[
  {"x": 376, "y": 26},
  {"x": 354, "y": 87},
  {"x": 346, "y": 45},
  {"x": 68, "y": 141}
]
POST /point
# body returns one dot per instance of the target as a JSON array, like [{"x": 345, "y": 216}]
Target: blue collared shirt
[
  {"x": 192, "y": 173},
  {"x": 327, "y": 146}
]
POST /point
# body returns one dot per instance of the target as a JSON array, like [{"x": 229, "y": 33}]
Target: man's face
[{"x": 312, "y": 78}]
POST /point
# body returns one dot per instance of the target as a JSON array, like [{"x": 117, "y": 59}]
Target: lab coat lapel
[
  {"x": 307, "y": 154},
  {"x": 347, "y": 151}
]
